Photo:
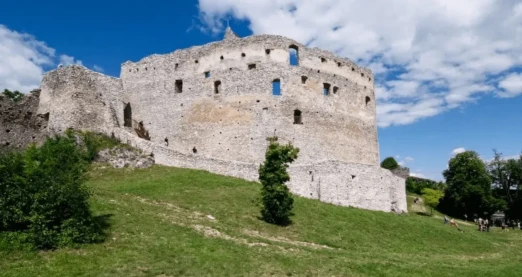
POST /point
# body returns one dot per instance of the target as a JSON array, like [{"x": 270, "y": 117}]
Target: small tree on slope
[
  {"x": 276, "y": 198},
  {"x": 432, "y": 197}
]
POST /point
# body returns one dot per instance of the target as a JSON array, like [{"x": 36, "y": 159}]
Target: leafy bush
[
  {"x": 15, "y": 96},
  {"x": 43, "y": 197},
  {"x": 276, "y": 198},
  {"x": 416, "y": 185},
  {"x": 389, "y": 163},
  {"x": 96, "y": 142}
]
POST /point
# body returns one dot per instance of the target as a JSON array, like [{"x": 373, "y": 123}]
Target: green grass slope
[{"x": 180, "y": 222}]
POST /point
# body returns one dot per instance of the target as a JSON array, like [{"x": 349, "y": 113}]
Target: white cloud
[
  {"x": 418, "y": 175},
  {"x": 428, "y": 56},
  {"x": 23, "y": 60},
  {"x": 67, "y": 60},
  {"x": 458, "y": 151},
  {"x": 512, "y": 85},
  {"x": 97, "y": 68},
  {"x": 408, "y": 159}
]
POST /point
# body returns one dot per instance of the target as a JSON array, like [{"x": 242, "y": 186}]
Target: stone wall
[
  {"x": 21, "y": 125},
  {"x": 212, "y": 107}
]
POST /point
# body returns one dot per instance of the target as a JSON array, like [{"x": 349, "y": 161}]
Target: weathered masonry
[{"x": 212, "y": 107}]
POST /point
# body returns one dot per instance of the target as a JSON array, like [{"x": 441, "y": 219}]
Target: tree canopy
[
  {"x": 13, "y": 95},
  {"x": 390, "y": 163},
  {"x": 469, "y": 187}
]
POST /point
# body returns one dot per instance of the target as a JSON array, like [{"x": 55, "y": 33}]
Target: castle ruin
[{"x": 212, "y": 107}]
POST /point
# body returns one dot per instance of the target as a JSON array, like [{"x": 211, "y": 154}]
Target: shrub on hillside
[
  {"x": 389, "y": 163},
  {"x": 43, "y": 197},
  {"x": 276, "y": 198},
  {"x": 15, "y": 96}
]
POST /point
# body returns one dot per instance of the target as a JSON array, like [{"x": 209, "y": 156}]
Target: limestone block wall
[
  {"x": 76, "y": 97},
  {"x": 339, "y": 183},
  {"x": 218, "y": 99},
  {"x": 20, "y": 124}
]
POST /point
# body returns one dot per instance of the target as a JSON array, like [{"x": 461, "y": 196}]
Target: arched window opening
[
  {"x": 294, "y": 55},
  {"x": 127, "y": 115},
  {"x": 276, "y": 87},
  {"x": 368, "y": 100},
  {"x": 179, "y": 86},
  {"x": 298, "y": 117},
  {"x": 217, "y": 86},
  {"x": 304, "y": 79},
  {"x": 326, "y": 89}
]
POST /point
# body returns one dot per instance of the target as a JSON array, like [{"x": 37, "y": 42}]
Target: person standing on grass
[
  {"x": 518, "y": 224},
  {"x": 445, "y": 220}
]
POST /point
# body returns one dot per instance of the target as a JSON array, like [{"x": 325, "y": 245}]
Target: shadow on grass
[
  {"x": 102, "y": 223},
  {"x": 424, "y": 214},
  {"x": 281, "y": 224}
]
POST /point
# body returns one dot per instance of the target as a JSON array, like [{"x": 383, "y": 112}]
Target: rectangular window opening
[
  {"x": 217, "y": 86},
  {"x": 326, "y": 89},
  {"x": 207, "y": 74},
  {"x": 276, "y": 87},
  {"x": 251, "y": 66},
  {"x": 179, "y": 86}
]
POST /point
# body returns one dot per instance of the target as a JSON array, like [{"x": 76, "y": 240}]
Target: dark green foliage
[
  {"x": 506, "y": 175},
  {"x": 416, "y": 185},
  {"x": 389, "y": 163},
  {"x": 95, "y": 142},
  {"x": 13, "y": 95},
  {"x": 276, "y": 198},
  {"x": 43, "y": 197},
  {"x": 469, "y": 187}
]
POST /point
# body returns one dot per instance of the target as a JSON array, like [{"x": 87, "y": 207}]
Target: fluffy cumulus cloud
[
  {"x": 458, "y": 150},
  {"x": 23, "y": 60},
  {"x": 512, "y": 85},
  {"x": 428, "y": 56}
]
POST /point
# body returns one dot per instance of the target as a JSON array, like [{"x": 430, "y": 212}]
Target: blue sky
[{"x": 448, "y": 73}]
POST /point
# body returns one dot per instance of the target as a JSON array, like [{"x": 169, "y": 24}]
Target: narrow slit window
[
  {"x": 368, "y": 100},
  {"x": 276, "y": 87},
  {"x": 294, "y": 55},
  {"x": 217, "y": 86},
  {"x": 298, "y": 117},
  {"x": 127, "y": 115},
  {"x": 326, "y": 89},
  {"x": 179, "y": 86}
]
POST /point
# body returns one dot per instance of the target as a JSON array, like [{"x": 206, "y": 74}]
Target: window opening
[
  {"x": 368, "y": 100},
  {"x": 251, "y": 66},
  {"x": 267, "y": 51},
  {"x": 127, "y": 115},
  {"x": 304, "y": 79},
  {"x": 243, "y": 55},
  {"x": 217, "y": 86},
  {"x": 207, "y": 74},
  {"x": 326, "y": 89},
  {"x": 179, "y": 86},
  {"x": 298, "y": 117},
  {"x": 294, "y": 55},
  {"x": 276, "y": 87},
  {"x": 335, "y": 90}
]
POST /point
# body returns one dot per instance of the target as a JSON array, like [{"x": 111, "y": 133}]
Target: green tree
[
  {"x": 469, "y": 187},
  {"x": 43, "y": 197},
  {"x": 389, "y": 163},
  {"x": 276, "y": 198},
  {"x": 506, "y": 175},
  {"x": 432, "y": 197},
  {"x": 13, "y": 95}
]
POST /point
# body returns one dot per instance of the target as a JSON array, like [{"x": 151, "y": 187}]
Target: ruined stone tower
[{"x": 212, "y": 107}]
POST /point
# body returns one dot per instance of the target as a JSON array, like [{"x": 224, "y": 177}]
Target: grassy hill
[{"x": 171, "y": 222}]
